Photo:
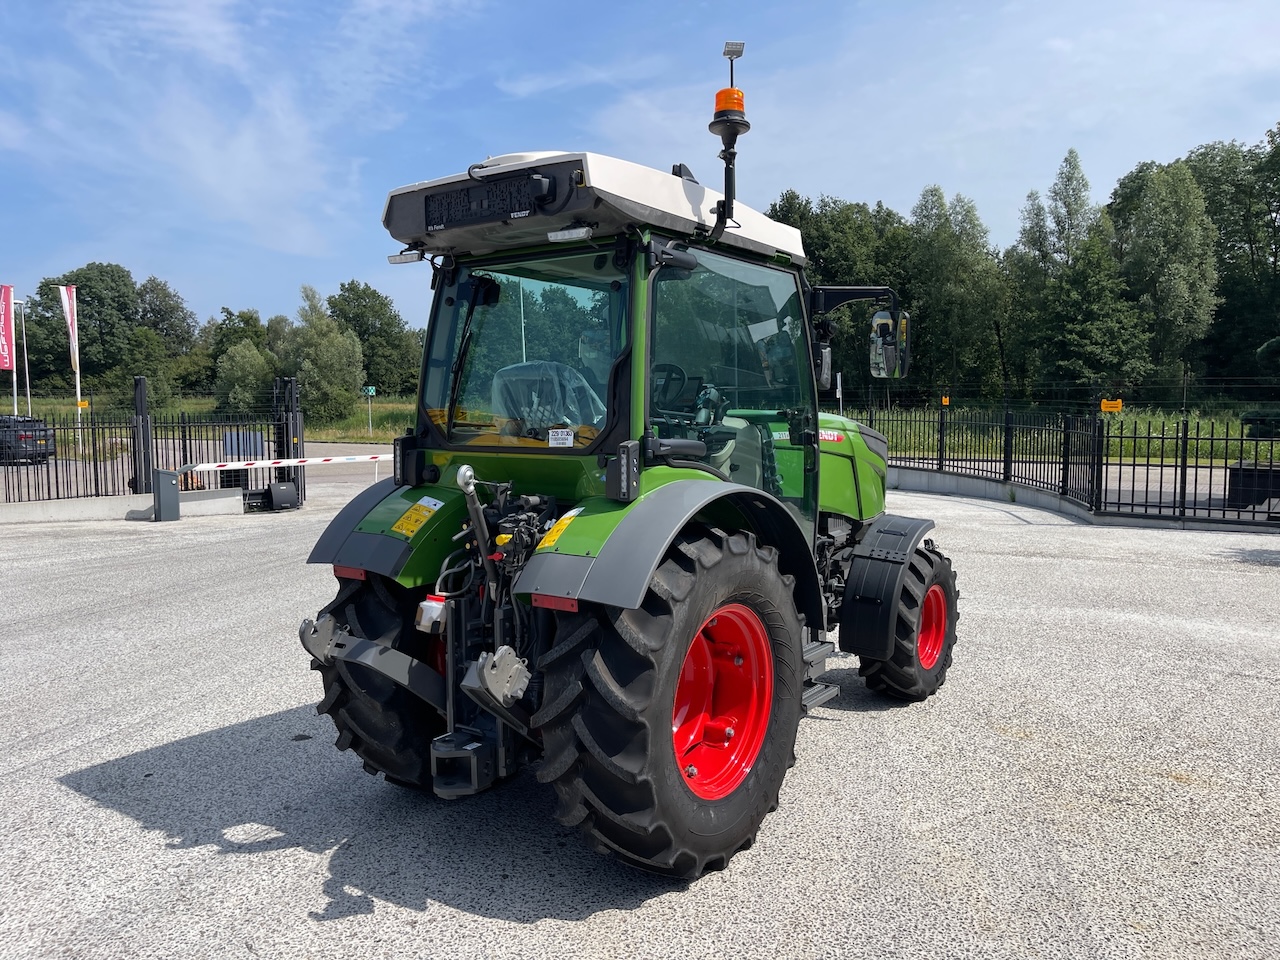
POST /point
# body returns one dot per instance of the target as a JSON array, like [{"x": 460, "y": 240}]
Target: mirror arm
[{"x": 826, "y": 299}]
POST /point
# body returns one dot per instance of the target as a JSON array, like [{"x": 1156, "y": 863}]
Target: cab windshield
[{"x": 521, "y": 352}]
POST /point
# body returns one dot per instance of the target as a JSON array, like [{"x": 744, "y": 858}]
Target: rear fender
[
  {"x": 869, "y": 611},
  {"x": 619, "y": 574},
  {"x": 399, "y": 532}
]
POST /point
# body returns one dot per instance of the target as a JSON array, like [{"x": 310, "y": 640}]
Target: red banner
[
  {"x": 6, "y": 328},
  {"x": 68, "y": 294}
]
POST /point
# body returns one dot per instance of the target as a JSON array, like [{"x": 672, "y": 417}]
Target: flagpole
[{"x": 26, "y": 367}]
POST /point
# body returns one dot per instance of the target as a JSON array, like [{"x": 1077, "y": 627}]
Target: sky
[{"x": 238, "y": 150}]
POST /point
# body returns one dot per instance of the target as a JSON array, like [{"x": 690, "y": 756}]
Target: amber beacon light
[{"x": 728, "y": 123}]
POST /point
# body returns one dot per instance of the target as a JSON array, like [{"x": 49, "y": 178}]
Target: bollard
[{"x": 164, "y": 494}]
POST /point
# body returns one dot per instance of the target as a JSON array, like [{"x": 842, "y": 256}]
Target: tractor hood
[{"x": 516, "y": 200}]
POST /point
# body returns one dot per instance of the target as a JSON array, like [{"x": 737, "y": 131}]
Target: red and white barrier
[{"x": 299, "y": 462}]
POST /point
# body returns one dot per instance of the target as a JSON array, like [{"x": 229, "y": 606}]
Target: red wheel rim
[
  {"x": 723, "y": 699},
  {"x": 933, "y": 627}
]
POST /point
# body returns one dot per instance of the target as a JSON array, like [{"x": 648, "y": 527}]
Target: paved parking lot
[{"x": 1098, "y": 777}]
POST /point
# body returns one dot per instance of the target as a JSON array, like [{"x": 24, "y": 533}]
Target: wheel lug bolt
[
  {"x": 728, "y": 733},
  {"x": 713, "y": 621},
  {"x": 737, "y": 661},
  {"x": 691, "y": 771}
]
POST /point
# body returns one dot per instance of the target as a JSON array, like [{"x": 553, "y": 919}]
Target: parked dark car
[{"x": 26, "y": 440}]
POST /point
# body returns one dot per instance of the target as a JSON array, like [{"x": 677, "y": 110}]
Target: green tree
[
  {"x": 1076, "y": 327},
  {"x": 326, "y": 359},
  {"x": 234, "y": 327},
  {"x": 1100, "y": 340},
  {"x": 1166, "y": 244},
  {"x": 161, "y": 309},
  {"x": 1071, "y": 212},
  {"x": 1241, "y": 187},
  {"x": 955, "y": 295},
  {"x": 393, "y": 355},
  {"x": 244, "y": 379},
  {"x": 106, "y": 311}
]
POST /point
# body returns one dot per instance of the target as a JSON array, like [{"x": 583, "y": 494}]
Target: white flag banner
[
  {"x": 6, "y": 328},
  {"x": 68, "y": 294}
]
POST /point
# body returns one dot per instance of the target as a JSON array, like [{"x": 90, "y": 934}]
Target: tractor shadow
[
  {"x": 854, "y": 697},
  {"x": 276, "y": 783},
  {"x": 1257, "y": 558}
]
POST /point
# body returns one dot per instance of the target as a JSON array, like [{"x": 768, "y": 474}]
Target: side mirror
[
  {"x": 890, "y": 344},
  {"x": 822, "y": 361}
]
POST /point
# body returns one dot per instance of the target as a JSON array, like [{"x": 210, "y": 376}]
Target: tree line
[
  {"x": 1174, "y": 281},
  {"x": 335, "y": 346}
]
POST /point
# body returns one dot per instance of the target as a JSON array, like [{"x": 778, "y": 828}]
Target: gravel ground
[{"x": 1098, "y": 777}]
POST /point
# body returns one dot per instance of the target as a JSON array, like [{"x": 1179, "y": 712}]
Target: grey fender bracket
[
  {"x": 348, "y": 518},
  {"x": 870, "y": 606}
]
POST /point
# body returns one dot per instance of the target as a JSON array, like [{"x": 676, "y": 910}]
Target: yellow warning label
[
  {"x": 1112, "y": 406},
  {"x": 411, "y": 520},
  {"x": 561, "y": 525}
]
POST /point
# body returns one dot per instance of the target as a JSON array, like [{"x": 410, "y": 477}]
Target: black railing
[
  {"x": 91, "y": 457},
  {"x": 1181, "y": 468},
  {"x": 99, "y": 456}
]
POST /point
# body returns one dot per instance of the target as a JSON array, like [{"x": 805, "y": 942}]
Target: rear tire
[
  {"x": 924, "y": 632},
  {"x": 668, "y": 730},
  {"x": 386, "y": 726}
]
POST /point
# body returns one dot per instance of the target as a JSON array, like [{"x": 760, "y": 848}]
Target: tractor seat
[{"x": 543, "y": 393}]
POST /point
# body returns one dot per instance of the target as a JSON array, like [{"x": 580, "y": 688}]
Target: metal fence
[
  {"x": 103, "y": 456},
  {"x": 1182, "y": 468}
]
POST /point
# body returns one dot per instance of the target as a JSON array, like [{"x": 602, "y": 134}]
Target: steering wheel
[{"x": 673, "y": 383}]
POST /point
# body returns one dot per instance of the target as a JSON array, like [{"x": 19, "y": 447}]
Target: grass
[{"x": 390, "y": 419}]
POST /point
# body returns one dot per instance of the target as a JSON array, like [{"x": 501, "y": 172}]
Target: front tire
[
  {"x": 385, "y": 725},
  {"x": 924, "y": 631},
  {"x": 668, "y": 730}
]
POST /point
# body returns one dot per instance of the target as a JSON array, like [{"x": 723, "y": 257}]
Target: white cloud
[{"x": 225, "y": 109}]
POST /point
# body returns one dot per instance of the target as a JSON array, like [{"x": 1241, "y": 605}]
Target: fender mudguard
[
  {"x": 619, "y": 575},
  {"x": 870, "y": 606},
  {"x": 345, "y": 546}
]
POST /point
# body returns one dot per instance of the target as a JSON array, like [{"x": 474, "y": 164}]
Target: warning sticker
[
  {"x": 559, "y": 437},
  {"x": 554, "y": 533},
  {"x": 411, "y": 520}
]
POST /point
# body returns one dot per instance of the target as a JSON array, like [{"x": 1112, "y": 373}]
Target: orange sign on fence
[{"x": 1112, "y": 406}]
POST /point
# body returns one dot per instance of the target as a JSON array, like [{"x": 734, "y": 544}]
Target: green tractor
[{"x": 618, "y": 539}]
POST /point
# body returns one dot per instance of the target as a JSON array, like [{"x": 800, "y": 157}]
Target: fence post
[
  {"x": 1008, "y": 446},
  {"x": 1185, "y": 430},
  {"x": 142, "y": 439},
  {"x": 1098, "y": 472},
  {"x": 1064, "y": 485},
  {"x": 942, "y": 438}
]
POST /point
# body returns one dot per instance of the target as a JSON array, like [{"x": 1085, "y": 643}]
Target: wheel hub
[
  {"x": 723, "y": 700},
  {"x": 933, "y": 627}
]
